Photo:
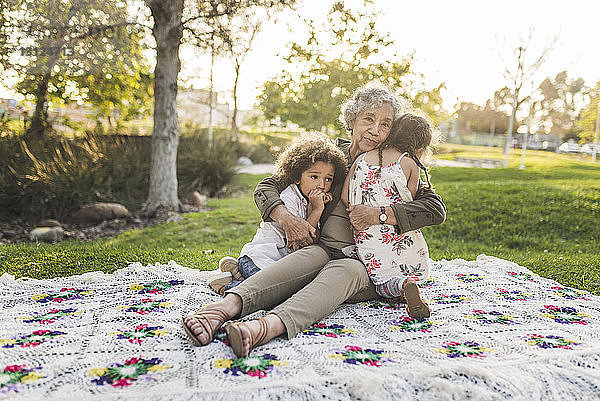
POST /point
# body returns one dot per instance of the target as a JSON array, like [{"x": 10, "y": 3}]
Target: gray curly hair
[{"x": 370, "y": 95}]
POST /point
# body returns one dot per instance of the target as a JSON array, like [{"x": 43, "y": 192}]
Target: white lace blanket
[{"x": 497, "y": 331}]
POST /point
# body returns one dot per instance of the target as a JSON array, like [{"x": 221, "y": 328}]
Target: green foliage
[
  {"x": 561, "y": 97},
  {"x": 67, "y": 51},
  {"x": 124, "y": 96},
  {"x": 555, "y": 106},
  {"x": 51, "y": 177},
  {"x": 203, "y": 167},
  {"x": 587, "y": 122},
  {"x": 481, "y": 119},
  {"x": 262, "y": 147},
  {"x": 345, "y": 54}
]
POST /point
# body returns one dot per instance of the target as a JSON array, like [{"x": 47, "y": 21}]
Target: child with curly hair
[
  {"x": 382, "y": 177},
  {"x": 310, "y": 166}
]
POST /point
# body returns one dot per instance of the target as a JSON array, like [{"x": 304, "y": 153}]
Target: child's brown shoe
[
  {"x": 229, "y": 264},
  {"x": 415, "y": 306},
  {"x": 218, "y": 285}
]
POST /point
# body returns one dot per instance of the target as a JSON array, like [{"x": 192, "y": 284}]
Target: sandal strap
[
  {"x": 262, "y": 335},
  {"x": 234, "y": 334},
  {"x": 206, "y": 317}
]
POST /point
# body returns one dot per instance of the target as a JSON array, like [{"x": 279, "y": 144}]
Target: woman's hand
[
  {"x": 363, "y": 216},
  {"x": 298, "y": 232}
]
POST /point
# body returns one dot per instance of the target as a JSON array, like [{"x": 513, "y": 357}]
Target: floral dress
[{"x": 385, "y": 253}]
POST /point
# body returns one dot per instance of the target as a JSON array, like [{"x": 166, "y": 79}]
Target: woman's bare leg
[{"x": 253, "y": 334}]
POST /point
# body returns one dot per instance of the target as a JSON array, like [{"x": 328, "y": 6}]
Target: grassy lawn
[{"x": 546, "y": 217}]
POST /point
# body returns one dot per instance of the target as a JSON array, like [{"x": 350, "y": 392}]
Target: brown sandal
[
  {"x": 236, "y": 340},
  {"x": 415, "y": 306},
  {"x": 205, "y": 317}
]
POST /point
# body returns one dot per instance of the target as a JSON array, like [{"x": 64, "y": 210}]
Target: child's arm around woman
[{"x": 411, "y": 172}]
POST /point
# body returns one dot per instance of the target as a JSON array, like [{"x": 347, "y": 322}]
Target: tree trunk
[
  {"x": 524, "y": 149},
  {"x": 234, "y": 127},
  {"x": 39, "y": 120},
  {"x": 165, "y": 138},
  {"x": 511, "y": 123},
  {"x": 210, "y": 93}
]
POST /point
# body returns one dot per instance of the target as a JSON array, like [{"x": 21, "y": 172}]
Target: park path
[
  {"x": 261, "y": 168},
  {"x": 267, "y": 168}
]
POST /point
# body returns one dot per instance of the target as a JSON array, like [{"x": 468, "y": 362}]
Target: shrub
[
  {"x": 255, "y": 148},
  {"x": 49, "y": 177},
  {"x": 263, "y": 147},
  {"x": 203, "y": 167},
  {"x": 126, "y": 169}
]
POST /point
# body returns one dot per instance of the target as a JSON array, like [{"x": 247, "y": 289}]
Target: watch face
[{"x": 382, "y": 216}]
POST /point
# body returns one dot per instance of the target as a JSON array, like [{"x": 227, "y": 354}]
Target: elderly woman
[{"x": 311, "y": 282}]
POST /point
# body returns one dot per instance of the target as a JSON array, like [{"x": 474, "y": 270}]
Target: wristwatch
[{"x": 382, "y": 216}]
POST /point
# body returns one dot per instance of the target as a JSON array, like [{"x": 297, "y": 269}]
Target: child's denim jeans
[{"x": 246, "y": 267}]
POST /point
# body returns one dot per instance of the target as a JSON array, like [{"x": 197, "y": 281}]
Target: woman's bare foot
[
  {"x": 244, "y": 336},
  {"x": 202, "y": 325}
]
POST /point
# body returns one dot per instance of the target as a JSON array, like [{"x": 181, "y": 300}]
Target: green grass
[
  {"x": 546, "y": 217},
  {"x": 197, "y": 241}
]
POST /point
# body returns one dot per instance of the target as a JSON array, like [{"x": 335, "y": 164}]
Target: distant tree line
[
  {"x": 68, "y": 51},
  {"x": 561, "y": 105}
]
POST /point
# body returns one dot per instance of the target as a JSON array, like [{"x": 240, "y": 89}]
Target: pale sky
[
  {"x": 457, "y": 42},
  {"x": 460, "y": 43}
]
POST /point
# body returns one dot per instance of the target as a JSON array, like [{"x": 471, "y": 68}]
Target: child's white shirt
[{"x": 269, "y": 244}]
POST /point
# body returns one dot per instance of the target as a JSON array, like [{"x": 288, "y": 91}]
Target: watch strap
[{"x": 382, "y": 215}]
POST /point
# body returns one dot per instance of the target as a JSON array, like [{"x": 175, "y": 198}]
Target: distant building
[
  {"x": 192, "y": 107},
  {"x": 10, "y": 108},
  {"x": 73, "y": 111}
]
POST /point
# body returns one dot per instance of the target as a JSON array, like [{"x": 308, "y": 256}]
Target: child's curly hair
[
  {"x": 307, "y": 150},
  {"x": 413, "y": 134}
]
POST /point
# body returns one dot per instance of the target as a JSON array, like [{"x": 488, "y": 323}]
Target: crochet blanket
[{"x": 497, "y": 331}]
